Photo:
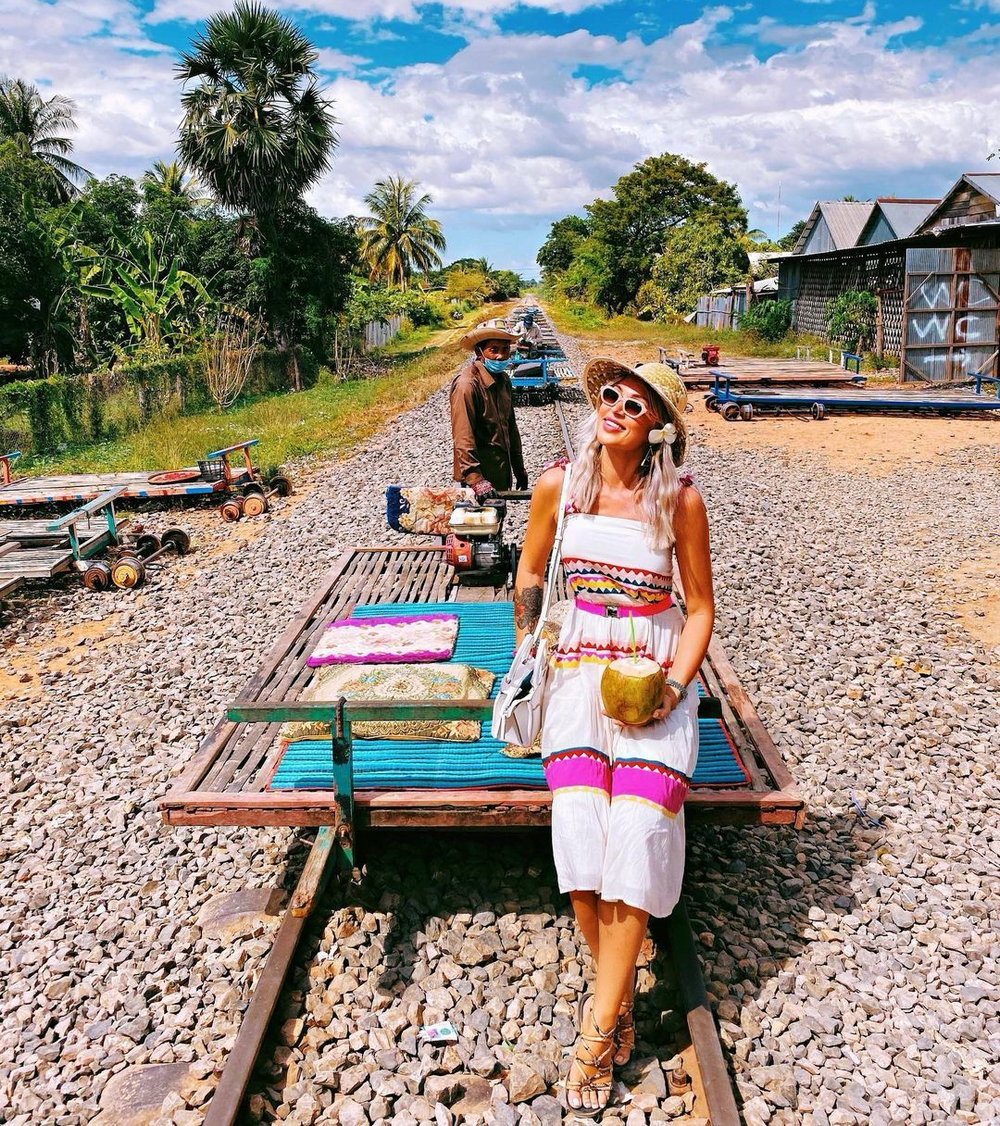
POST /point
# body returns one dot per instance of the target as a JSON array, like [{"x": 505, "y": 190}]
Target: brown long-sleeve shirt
[{"x": 483, "y": 429}]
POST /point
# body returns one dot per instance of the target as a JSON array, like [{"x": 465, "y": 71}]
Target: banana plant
[{"x": 159, "y": 299}]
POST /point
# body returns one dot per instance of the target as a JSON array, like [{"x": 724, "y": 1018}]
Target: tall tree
[
  {"x": 256, "y": 128},
  {"x": 564, "y": 236},
  {"x": 399, "y": 236},
  {"x": 660, "y": 194},
  {"x": 38, "y": 126},
  {"x": 172, "y": 180}
]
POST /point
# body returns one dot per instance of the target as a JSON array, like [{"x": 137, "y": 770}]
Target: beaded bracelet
[{"x": 680, "y": 688}]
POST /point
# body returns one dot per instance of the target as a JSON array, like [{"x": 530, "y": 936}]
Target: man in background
[{"x": 487, "y": 445}]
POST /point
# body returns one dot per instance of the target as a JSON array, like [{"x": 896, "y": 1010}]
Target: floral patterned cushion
[{"x": 401, "y": 683}]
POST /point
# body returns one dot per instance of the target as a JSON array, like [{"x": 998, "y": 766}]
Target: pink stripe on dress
[
  {"x": 650, "y": 783},
  {"x": 578, "y": 768}
]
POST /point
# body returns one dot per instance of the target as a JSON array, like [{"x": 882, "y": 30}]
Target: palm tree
[
  {"x": 399, "y": 236},
  {"x": 256, "y": 128},
  {"x": 36, "y": 127},
  {"x": 172, "y": 180}
]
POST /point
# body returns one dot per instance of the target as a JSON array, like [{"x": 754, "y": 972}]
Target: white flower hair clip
[{"x": 666, "y": 434}]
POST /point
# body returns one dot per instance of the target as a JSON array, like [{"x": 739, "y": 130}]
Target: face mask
[{"x": 496, "y": 367}]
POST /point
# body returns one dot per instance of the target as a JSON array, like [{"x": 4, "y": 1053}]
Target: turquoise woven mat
[{"x": 486, "y": 641}]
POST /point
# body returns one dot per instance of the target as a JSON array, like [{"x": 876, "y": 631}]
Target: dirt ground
[
  {"x": 880, "y": 446},
  {"x": 877, "y": 445}
]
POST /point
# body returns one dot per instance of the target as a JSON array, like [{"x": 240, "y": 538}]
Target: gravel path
[{"x": 854, "y": 968}]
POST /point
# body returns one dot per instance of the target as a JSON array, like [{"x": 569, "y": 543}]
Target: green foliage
[
  {"x": 46, "y": 415},
  {"x": 767, "y": 320},
  {"x": 557, "y": 252},
  {"x": 661, "y": 193},
  {"x": 850, "y": 318},
  {"x": 788, "y": 241},
  {"x": 160, "y": 301},
  {"x": 697, "y": 258},
  {"x": 399, "y": 236},
  {"x": 256, "y": 128},
  {"x": 35, "y": 125}
]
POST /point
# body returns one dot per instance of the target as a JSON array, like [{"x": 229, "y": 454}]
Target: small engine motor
[
  {"x": 475, "y": 547},
  {"x": 709, "y": 354}
]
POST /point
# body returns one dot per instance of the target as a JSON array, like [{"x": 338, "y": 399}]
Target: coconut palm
[
  {"x": 36, "y": 126},
  {"x": 399, "y": 236},
  {"x": 173, "y": 181},
  {"x": 256, "y": 128}
]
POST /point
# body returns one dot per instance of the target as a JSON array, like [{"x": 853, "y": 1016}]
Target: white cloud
[
  {"x": 504, "y": 134},
  {"x": 331, "y": 60}
]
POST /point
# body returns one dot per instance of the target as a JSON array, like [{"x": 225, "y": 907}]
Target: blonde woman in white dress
[{"x": 618, "y": 790}]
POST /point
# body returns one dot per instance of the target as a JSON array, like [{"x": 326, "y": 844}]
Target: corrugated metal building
[{"x": 966, "y": 219}]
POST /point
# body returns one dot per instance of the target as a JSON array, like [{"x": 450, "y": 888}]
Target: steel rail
[
  {"x": 226, "y": 1104},
  {"x": 717, "y": 1084}
]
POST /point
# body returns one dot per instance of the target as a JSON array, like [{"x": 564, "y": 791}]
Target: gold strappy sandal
[
  {"x": 625, "y": 1033},
  {"x": 594, "y": 1066}
]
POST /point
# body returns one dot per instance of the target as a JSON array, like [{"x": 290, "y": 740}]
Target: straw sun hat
[
  {"x": 667, "y": 384},
  {"x": 483, "y": 333}
]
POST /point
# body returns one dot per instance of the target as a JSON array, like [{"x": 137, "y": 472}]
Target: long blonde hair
[{"x": 656, "y": 493}]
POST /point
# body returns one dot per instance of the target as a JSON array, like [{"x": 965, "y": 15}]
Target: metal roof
[
  {"x": 904, "y": 215},
  {"x": 986, "y": 182},
  {"x": 845, "y": 220}
]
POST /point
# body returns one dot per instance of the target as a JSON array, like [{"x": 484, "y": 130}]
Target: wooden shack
[{"x": 932, "y": 265}]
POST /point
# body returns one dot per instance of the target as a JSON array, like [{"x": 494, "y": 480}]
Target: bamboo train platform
[
  {"x": 763, "y": 371},
  {"x": 240, "y": 776},
  {"x": 41, "y": 549},
  {"x": 215, "y": 476},
  {"x": 736, "y": 401}
]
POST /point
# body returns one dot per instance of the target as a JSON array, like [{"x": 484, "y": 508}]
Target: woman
[{"x": 618, "y": 790}]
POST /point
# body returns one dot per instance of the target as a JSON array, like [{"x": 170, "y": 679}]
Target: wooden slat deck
[
  {"x": 226, "y": 782},
  {"x": 764, "y": 371},
  {"x": 48, "y": 556},
  {"x": 79, "y": 487}
]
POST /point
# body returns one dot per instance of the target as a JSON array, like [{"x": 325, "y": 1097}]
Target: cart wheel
[
  {"x": 731, "y": 412},
  {"x": 146, "y": 545},
  {"x": 746, "y": 412},
  {"x": 254, "y": 503},
  {"x": 231, "y": 510},
  {"x": 127, "y": 572},
  {"x": 178, "y": 539},
  {"x": 97, "y": 577},
  {"x": 818, "y": 411},
  {"x": 281, "y": 485},
  {"x": 711, "y": 403},
  {"x": 514, "y": 554}
]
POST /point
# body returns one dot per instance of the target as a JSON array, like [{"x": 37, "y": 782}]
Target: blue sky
[{"x": 514, "y": 114}]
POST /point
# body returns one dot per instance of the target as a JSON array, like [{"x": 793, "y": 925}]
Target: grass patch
[
  {"x": 586, "y": 320},
  {"x": 331, "y": 417}
]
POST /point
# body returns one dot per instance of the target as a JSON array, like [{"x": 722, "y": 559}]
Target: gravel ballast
[{"x": 853, "y": 965}]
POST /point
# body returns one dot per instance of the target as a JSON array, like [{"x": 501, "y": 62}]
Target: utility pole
[{"x": 778, "y": 221}]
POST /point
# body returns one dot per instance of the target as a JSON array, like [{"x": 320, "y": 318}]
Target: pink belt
[{"x": 606, "y": 610}]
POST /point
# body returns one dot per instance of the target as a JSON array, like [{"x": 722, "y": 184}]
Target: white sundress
[{"x": 617, "y": 793}]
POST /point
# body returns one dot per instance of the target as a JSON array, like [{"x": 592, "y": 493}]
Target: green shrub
[
  {"x": 850, "y": 318},
  {"x": 767, "y": 320}
]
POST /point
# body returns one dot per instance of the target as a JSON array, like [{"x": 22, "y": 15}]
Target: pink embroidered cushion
[{"x": 401, "y": 639}]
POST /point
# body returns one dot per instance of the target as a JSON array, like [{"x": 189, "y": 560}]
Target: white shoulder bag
[{"x": 517, "y": 709}]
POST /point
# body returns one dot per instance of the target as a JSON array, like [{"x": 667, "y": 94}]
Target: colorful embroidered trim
[
  {"x": 579, "y": 768},
  {"x": 585, "y": 577},
  {"x": 650, "y": 783},
  {"x": 398, "y": 639}
]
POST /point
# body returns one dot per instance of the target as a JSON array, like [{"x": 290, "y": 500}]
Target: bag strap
[{"x": 555, "y": 558}]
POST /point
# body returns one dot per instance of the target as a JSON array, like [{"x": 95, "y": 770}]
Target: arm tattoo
[{"x": 527, "y": 607}]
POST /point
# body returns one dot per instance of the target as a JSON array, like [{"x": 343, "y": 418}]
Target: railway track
[{"x": 686, "y": 1029}]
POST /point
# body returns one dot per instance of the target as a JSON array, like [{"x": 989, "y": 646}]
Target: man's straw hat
[
  {"x": 667, "y": 384},
  {"x": 486, "y": 332}
]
